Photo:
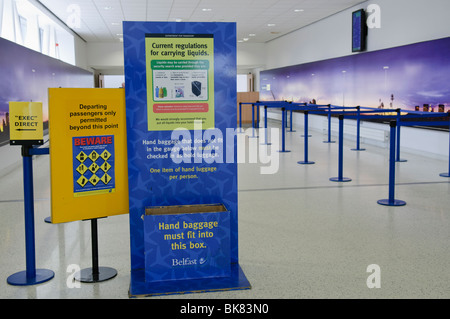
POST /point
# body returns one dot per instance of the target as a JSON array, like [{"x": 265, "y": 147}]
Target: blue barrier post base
[
  {"x": 358, "y": 149},
  {"x": 253, "y": 137},
  {"x": 22, "y": 279},
  {"x": 401, "y": 160},
  {"x": 281, "y": 151},
  {"x": 444, "y": 174},
  {"x": 48, "y": 220},
  {"x": 340, "y": 179},
  {"x": 266, "y": 144},
  {"x": 329, "y": 142},
  {"x": 306, "y": 162},
  {"x": 395, "y": 202}
]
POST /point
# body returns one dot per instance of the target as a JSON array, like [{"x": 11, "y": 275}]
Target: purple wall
[
  {"x": 18, "y": 82},
  {"x": 417, "y": 74}
]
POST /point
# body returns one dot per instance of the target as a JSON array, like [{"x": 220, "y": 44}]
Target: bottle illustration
[
  {"x": 161, "y": 92},
  {"x": 157, "y": 91},
  {"x": 164, "y": 92}
]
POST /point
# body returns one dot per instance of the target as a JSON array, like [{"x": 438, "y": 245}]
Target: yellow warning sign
[
  {"x": 88, "y": 154},
  {"x": 82, "y": 169},
  {"x": 27, "y": 126},
  {"x": 93, "y": 156},
  {"x": 81, "y": 157},
  {"x": 105, "y": 155},
  {"x": 94, "y": 168},
  {"x": 106, "y": 178},
  {"x": 82, "y": 181},
  {"x": 94, "y": 179},
  {"x": 105, "y": 167}
]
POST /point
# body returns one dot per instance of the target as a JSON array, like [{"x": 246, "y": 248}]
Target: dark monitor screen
[{"x": 359, "y": 31}]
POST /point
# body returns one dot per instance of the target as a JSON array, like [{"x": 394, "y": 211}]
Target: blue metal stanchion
[
  {"x": 285, "y": 121},
  {"x": 305, "y": 161},
  {"x": 306, "y": 120},
  {"x": 240, "y": 117},
  {"x": 266, "y": 139},
  {"x": 257, "y": 116},
  {"x": 358, "y": 130},
  {"x": 391, "y": 201},
  {"x": 253, "y": 123},
  {"x": 283, "y": 132},
  {"x": 290, "y": 122},
  {"x": 30, "y": 276},
  {"x": 340, "y": 178},
  {"x": 397, "y": 159},
  {"x": 447, "y": 174},
  {"x": 329, "y": 126}
]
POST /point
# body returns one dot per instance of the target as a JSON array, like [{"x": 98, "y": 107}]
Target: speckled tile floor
[{"x": 300, "y": 235}]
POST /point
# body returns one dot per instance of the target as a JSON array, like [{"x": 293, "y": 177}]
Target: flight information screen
[{"x": 358, "y": 31}]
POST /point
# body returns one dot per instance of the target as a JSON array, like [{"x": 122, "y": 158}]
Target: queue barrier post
[
  {"x": 240, "y": 117},
  {"x": 283, "y": 132},
  {"x": 290, "y": 123},
  {"x": 306, "y": 121},
  {"x": 266, "y": 138},
  {"x": 398, "y": 138},
  {"x": 285, "y": 120},
  {"x": 358, "y": 130},
  {"x": 329, "y": 126},
  {"x": 30, "y": 276},
  {"x": 391, "y": 201},
  {"x": 95, "y": 273},
  {"x": 253, "y": 123},
  {"x": 257, "y": 115},
  {"x": 447, "y": 174},
  {"x": 305, "y": 161},
  {"x": 340, "y": 177}
]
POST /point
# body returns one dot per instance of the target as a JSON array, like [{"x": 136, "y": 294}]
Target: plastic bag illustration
[{"x": 196, "y": 88}]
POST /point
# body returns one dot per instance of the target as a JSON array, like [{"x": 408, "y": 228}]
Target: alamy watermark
[
  {"x": 215, "y": 146},
  {"x": 73, "y": 20},
  {"x": 374, "y": 279},
  {"x": 373, "y": 16},
  {"x": 71, "y": 282}
]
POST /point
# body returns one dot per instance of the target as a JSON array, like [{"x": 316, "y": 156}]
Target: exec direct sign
[{"x": 24, "y": 120}]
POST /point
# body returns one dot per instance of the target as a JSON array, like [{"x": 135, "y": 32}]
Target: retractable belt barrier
[{"x": 396, "y": 117}]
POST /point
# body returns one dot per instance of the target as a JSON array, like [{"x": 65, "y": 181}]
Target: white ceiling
[{"x": 257, "y": 20}]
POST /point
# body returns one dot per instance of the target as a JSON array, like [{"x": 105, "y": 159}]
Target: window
[
  {"x": 24, "y": 24},
  {"x": 23, "y": 27},
  {"x": 41, "y": 39}
]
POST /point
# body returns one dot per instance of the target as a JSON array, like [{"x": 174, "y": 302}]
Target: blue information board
[
  {"x": 181, "y": 245},
  {"x": 181, "y": 144}
]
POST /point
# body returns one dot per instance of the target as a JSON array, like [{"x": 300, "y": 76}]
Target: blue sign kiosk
[{"x": 182, "y": 157}]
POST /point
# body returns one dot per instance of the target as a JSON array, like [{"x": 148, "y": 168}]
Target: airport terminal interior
[{"x": 300, "y": 234}]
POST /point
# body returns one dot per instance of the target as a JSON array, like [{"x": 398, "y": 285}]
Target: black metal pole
[
  {"x": 94, "y": 235},
  {"x": 95, "y": 273}
]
